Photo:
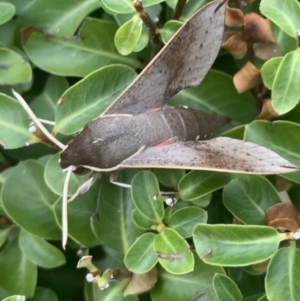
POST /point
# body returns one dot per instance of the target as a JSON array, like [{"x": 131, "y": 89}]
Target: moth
[{"x": 138, "y": 130}]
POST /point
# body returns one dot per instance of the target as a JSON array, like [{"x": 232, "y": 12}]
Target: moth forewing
[{"x": 183, "y": 62}]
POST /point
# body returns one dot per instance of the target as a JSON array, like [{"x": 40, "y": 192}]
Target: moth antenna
[
  {"x": 124, "y": 185},
  {"x": 37, "y": 121},
  {"x": 65, "y": 207}
]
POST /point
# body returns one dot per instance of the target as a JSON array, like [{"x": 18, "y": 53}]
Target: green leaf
[
  {"x": 43, "y": 294},
  {"x": 173, "y": 252},
  {"x": 88, "y": 98},
  {"x": 115, "y": 291},
  {"x": 32, "y": 209},
  {"x": 14, "y": 123},
  {"x": 144, "y": 189},
  {"x": 125, "y": 6},
  {"x": 247, "y": 204},
  {"x": 55, "y": 177},
  {"x": 268, "y": 71},
  {"x": 128, "y": 35},
  {"x": 169, "y": 30},
  {"x": 40, "y": 251},
  {"x": 62, "y": 18},
  {"x": 282, "y": 279},
  {"x": 116, "y": 229},
  {"x": 279, "y": 136},
  {"x": 44, "y": 105},
  {"x": 77, "y": 57},
  {"x": 142, "y": 42},
  {"x": 15, "y": 298},
  {"x": 7, "y": 11},
  {"x": 169, "y": 177},
  {"x": 3, "y": 235},
  {"x": 140, "y": 257},
  {"x": 207, "y": 97},
  {"x": 15, "y": 265},
  {"x": 198, "y": 282},
  {"x": 235, "y": 245},
  {"x": 197, "y": 184},
  {"x": 141, "y": 221},
  {"x": 184, "y": 220},
  {"x": 14, "y": 69},
  {"x": 286, "y": 42},
  {"x": 226, "y": 289},
  {"x": 285, "y": 14},
  {"x": 286, "y": 92}
]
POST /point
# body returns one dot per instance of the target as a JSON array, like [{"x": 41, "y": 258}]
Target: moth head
[{"x": 71, "y": 156}]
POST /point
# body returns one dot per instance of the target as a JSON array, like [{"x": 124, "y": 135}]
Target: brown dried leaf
[
  {"x": 256, "y": 29},
  {"x": 141, "y": 283},
  {"x": 247, "y": 78},
  {"x": 267, "y": 112},
  {"x": 233, "y": 43},
  {"x": 234, "y": 17},
  {"x": 266, "y": 50},
  {"x": 283, "y": 215}
]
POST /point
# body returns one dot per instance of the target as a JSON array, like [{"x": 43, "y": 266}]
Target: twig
[
  {"x": 179, "y": 9},
  {"x": 154, "y": 36}
]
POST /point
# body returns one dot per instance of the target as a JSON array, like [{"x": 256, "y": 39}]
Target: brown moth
[{"x": 138, "y": 131}]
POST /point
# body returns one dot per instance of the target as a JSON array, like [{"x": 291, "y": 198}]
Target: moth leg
[{"x": 113, "y": 179}]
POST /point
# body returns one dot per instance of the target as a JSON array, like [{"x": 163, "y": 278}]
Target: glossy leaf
[
  {"x": 184, "y": 220},
  {"x": 140, "y": 257},
  {"x": 197, "y": 184},
  {"x": 173, "y": 252},
  {"x": 268, "y": 71},
  {"x": 115, "y": 228},
  {"x": 55, "y": 177},
  {"x": 235, "y": 245},
  {"x": 286, "y": 42},
  {"x": 285, "y": 91},
  {"x": 44, "y": 105},
  {"x": 279, "y": 136},
  {"x": 14, "y": 123},
  {"x": 115, "y": 290},
  {"x": 7, "y": 10},
  {"x": 283, "y": 274},
  {"x": 14, "y": 262},
  {"x": 144, "y": 189},
  {"x": 128, "y": 35},
  {"x": 77, "y": 57},
  {"x": 198, "y": 282},
  {"x": 15, "y": 298},
  {"x": 169, "y": 30},
  {"x": 226, "y": 289},
  {"x": 3, "y": 235},
  {"x": 62, "y": 18},
  {"x": 285, "y": 14},
  {"x": 14, "y": 68},
  {"x": 247, "y": 204},
  {"x": 207, "y": 97},
  {"x": 169, "y": 177},
  {"x": 40, "y": 251},
  {"x": 140, "y": 220},
  {"x": 88, "y": 98},
  {"x": 32, "y": 210}
]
